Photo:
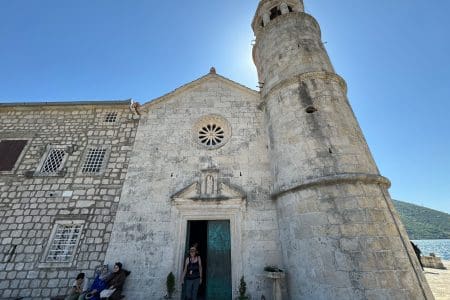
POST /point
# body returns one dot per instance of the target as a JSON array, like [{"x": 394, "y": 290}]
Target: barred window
[
  {"x": 64, "y": 242},
  {"x": 54, "y": 161},
  {"x": 94, "y": 160},
  {"x": 111, "y": 117},
  {"x": 10, "y": 151}
]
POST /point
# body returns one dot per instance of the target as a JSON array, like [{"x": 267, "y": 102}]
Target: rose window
[
  {"x": 212, "y": 131},
  {"x": 211, "y": 135}
]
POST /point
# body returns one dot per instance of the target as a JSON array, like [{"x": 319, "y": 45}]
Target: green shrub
[
  {"x": 170, "y": 284},
  {"x": 242, "y": 289}
]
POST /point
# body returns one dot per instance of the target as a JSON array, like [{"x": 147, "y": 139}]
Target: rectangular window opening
[
  {"x": 10, "y": 151},
  {"x": 53, "y": 162},
  {"x": 64, "y": 243},
  {"x": 111, "y": 117},
  {"x": 94, "y": 160}
]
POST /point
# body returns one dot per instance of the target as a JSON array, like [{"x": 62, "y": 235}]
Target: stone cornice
[
  {"x": 331, "y": 180},
  {"x": 299, "y": 78},
  {"x": 67, "y": 103}
]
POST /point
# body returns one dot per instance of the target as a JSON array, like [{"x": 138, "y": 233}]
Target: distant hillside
[{"x": 423, "y": 223}]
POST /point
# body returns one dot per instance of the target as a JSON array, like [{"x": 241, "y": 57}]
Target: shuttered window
[{"x": 10, "y": 151}]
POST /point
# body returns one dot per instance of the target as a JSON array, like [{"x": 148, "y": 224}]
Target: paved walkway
[{"x": 439, "y": 281}]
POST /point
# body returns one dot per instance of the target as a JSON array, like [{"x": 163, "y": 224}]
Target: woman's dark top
[
  {"x": 193, "y": 270},
  {"x": 117, "y": 279}
]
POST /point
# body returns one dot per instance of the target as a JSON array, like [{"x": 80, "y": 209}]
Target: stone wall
[
  {"x": 167, "y": 164},
  {"x": 31, "y": 202},
  {"x": 432, "y": 261},
  {"x": 351, "y": 244},
  {"x": 340, "y": 234}
]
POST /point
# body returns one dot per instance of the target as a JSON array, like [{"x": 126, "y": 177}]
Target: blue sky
[{"x": 394, "y": 56}]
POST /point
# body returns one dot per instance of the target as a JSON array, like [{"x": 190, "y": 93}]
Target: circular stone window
[{"x": 212, "y": 131}]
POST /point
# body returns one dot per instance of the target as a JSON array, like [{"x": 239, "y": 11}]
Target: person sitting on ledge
[
  {"x": 99, "y": 283},
  {"x": 79, "y": 288},
  {"x": 115, "y": 283}
]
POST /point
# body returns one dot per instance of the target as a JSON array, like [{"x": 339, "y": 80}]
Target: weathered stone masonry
[
  {"x": 287, "y": 169},
  {"x": 31, "y": 203},
  {"x": 151, "y": 221},
  {"x": 340, "y": 235}
]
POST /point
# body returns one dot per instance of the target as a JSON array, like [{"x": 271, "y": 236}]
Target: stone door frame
[{"x": 210, "y": 210}]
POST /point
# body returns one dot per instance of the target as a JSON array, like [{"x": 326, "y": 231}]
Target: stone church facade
[{"x": 278, "y": 177}]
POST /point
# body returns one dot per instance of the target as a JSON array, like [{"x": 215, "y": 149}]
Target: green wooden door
[{"x": 218, "y": 273}]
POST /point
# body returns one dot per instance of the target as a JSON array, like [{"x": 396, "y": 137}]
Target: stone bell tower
[{"x": 340, "y": 235}]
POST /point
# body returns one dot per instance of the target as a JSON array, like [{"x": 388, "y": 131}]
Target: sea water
[{"x": 439, "y": 247}]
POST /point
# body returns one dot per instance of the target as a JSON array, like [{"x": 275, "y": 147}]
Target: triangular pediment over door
[{"x": 209, "y": 189}]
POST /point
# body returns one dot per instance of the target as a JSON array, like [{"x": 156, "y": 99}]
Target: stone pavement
[{"x": 439, "y": 281}]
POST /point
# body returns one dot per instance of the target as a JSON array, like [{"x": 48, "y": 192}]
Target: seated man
[{"x": 79, "y": 287}]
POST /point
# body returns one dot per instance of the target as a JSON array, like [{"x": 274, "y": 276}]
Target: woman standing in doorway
[{"x": 192, "y": 273}]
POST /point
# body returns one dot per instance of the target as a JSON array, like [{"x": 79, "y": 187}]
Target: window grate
[
  {"x": 94, "y": 160},
  {"x": 111, "y": 117},
  {"x": 64, "y": 242},
  {"x": 53, "y": 162}
]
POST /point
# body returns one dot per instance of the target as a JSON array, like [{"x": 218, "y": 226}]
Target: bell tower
[{"x": 340, "y": 235}]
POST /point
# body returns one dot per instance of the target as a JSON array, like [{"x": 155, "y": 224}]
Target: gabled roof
[{"x": 210, "y": 76}]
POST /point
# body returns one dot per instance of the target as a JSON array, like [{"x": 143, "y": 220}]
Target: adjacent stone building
[
  {"x": 282, "y": 177},
  {"x": 62, "y": 168}
]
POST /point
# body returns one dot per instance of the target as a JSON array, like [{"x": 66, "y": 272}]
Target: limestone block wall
[
  {"x": 310, "y": 144},
  {"x": 335, "y": 214},
  {"x": 350, "y": 244},
  {"x": 150, "y": 229},
  {"x": 289, "y": 45},
  {"x": 432, "y": 261},
  {"x": 32, "y": 203}
]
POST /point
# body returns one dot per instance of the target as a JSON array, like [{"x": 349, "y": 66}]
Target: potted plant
[
  {"x": 170, "y": 285},
  {"x": 243, "y": 290}
]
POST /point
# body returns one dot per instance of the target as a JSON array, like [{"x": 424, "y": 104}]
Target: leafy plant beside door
[
  {"x": 243, "y": 290},
  {"x": 170, "y": 284}
]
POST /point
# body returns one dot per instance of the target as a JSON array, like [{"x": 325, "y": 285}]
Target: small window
[
  {"x": 10, "y": 151},
  {"x": 111, "y": 117},
  {"x": 275, "y": 12},
  {"x": 54, "y": 161},
  {"x": 94, "y": 160},
  {"x": 64, "y": 241}
]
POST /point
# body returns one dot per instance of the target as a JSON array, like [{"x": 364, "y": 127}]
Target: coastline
[
  {"x": 440, "y": 247},
  {"x": 439, "y": 281}
]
